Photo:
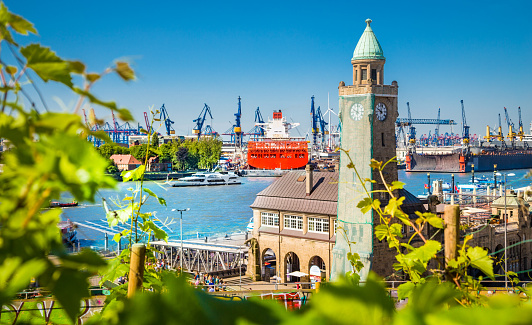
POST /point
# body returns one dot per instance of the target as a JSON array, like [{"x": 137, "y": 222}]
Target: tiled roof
[
  {"x": 125, "y": 159},
  {"x": 289, "y": 194},
  {"x": 325, "y": 186}
]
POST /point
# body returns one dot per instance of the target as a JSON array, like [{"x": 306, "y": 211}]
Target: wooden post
[
  {"x": 451, "y": 217},
  {"x": 136, "y": 268}
]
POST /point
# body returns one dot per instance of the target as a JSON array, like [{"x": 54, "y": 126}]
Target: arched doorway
[
  {"x": 317, "y": 273},
  {"x": 292, "y": 265},
  {"x": 269, "y": 265}
]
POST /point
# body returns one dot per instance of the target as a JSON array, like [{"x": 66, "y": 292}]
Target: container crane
[
  {"x": 437, "y": 131},
  {"x": 164, "y": 116},
  {"x": 465, "y": 127},
  {"x": 257, "y": 131},
  {"x": 198, "y": 129}
]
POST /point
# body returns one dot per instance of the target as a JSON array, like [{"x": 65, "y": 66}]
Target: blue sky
[{"x": 276, "y": 55}]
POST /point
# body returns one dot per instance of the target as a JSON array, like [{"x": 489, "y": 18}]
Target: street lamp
[
  {"x": 181, "y": 236},
  {"x": 506, "y": 234}
]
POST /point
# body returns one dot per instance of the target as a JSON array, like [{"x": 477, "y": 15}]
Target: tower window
[
  {"x": 364, "y": 74},
  {"x": 382, "y": 139},
  {"x": 356, "y": 75},
  {"x": 374, "y": 74}
]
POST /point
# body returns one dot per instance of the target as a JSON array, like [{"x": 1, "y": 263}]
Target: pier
[{"x": 223, "y": 254}]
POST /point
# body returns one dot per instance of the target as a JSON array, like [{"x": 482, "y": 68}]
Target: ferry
[
  {"x": 277, "y": 150},
  {"x": 56, "y": 204},
  {"x": 208, "y": 179}
]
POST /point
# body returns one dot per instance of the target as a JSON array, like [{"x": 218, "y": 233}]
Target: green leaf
[
  {"x": 365, "y": 205},
  {"x": 160, "y": 199},
  {"x": 125, "y": 115},
  {"x": 479, "y": 259},
  {"x": 435, "y": 221},
  {"x": 19, "y": 24},
  {"x": 11, "y": 70},
  {"x": 47, "y": 64},
  {"x": 71, "y": 286},
  {"x": 92, "y": 77},
  {"x": 397, "y": 185},
  {"x": 77, "y": 67},
  {"x": 405, "y": 290},
  {"x": 374, "y": 164},
  {"x": 124, "y": 71},
  {"x": 158, "y": 232},
  {"x": 381, "y": 232},
  {"x": 133, "y": 175}
]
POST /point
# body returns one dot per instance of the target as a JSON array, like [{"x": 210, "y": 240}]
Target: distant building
[
  {"x": 155, "y": 166},
  {"x": 125, "y": 162},
  {"x": 295, "y": 226},
  {"x": 135, "y": 140},
  {"x": 516, "y": 210}
]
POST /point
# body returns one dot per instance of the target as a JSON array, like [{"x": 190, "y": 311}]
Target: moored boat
[
  {"x": 57, "y": 204},
  {"x": 277, "y": 150},
  {"x": 208, "y": 179}
]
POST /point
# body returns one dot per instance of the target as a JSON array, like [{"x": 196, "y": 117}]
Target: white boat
[{"x": 208, "y": 179}]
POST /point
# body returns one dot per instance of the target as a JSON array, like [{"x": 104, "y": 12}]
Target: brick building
[{"x": 125, "y": 162}]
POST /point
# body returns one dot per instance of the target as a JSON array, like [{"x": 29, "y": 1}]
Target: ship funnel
[{"x": 309, "y": 181}]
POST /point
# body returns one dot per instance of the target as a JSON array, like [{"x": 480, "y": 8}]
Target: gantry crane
[
  {"x": 465, "y": 127},
  {"x": 198, "y": 129},
  {"x": 257, "y": 131},
  {"x": 521, "y": 133},
  {"x": 164, "y": 116},
  {"x": 511, "y": 133},
  {"x": 314, "y": 121}
]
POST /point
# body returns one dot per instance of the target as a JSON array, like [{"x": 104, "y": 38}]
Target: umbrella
[
  {"x": 469, "y": 210},
  {"x": 297, "y": 274}
]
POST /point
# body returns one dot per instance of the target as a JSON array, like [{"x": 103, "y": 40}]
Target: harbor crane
[
  {"x": 198, "y": 129},
  {"x": 465, "y": 127},
  {"x": 511, "y": 133},
  {"x": 521, "y": 133},
  {"x": 318, "y": 124},
  {"x": 314, "y": 117},
  {"x": 257, "y": 131},
  {"x": 323, "y": 126},
  {"x": 235, "y": 131},
  {"x": 164, "y": 116}
]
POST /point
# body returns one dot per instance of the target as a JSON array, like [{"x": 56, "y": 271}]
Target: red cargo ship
[{"x": 277, "y": 150}]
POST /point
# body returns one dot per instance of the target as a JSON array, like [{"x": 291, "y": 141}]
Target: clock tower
[{"x": 368, "y": 111}]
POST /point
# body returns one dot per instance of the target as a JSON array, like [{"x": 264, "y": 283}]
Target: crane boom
[
  {"x": 164, "y": 116},
  {"x": 201, "y": 120},
  {"x": 465, "y": 127}
]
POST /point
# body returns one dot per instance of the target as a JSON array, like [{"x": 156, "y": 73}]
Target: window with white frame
[
  {"x": 293, "y": 222},
  {"x": 318, "y": 225},
  {"x": 269, "y": 219}
]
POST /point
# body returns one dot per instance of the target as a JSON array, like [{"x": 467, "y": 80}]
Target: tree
[
  {"x": 181, "y": 157},
  {"x": 155, "y": 140},
  {"x": 166, "y": 152}
]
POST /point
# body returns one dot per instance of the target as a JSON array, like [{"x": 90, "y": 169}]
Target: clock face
[
  {"x": 380, "y": 111},
  {"x": 357, "y": 110}
]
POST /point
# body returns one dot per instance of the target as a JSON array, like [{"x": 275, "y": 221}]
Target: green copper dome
[{"x": 368, "y": 46}]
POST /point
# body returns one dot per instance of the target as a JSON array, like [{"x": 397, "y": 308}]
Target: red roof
[{"x": 125, "y": 160}]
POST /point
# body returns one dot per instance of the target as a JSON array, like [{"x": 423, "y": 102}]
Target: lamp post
[
  {"x": 506, "y": 234},
  {"x": 428, "y": 182},
  {"x": 181, "y": 236}
]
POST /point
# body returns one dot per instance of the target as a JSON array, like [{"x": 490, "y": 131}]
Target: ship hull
[
  {"x": 277, "y": 154},
  {"x": 455, "y": 163}
]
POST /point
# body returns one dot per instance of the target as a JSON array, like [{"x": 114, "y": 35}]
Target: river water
[{"x": 220, "y": 210}]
